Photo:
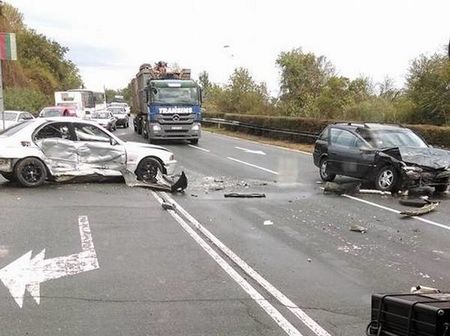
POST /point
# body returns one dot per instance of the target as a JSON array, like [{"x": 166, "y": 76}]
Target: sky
[{"x": 109, "y": 40}]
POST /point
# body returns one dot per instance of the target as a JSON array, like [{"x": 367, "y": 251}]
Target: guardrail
[{"x": 237, "y": 124}]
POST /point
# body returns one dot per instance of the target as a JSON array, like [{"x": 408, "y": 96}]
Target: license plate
[{"x": 176, "y": 127}]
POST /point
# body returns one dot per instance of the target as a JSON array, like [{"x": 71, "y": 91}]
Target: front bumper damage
[{"x": 417, "y": 170}]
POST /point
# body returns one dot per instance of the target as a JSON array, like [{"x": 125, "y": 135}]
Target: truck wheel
[
  {"x": 323, "y": 171},
  {"x": 194, "y": 141},
  {"x": 387, "y": 179},
  {"x": 147, "y": 170},
  {"x": 30, "y": 172}
]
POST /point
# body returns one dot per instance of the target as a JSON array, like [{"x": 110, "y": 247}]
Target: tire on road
[
  {"x": 323, "y": 171},
  {"x": 147, "y": 169},
  {"x": 30, "y": 172},
  {"x": 194, "y": 141},
  {"x": 387, "y": 179}
]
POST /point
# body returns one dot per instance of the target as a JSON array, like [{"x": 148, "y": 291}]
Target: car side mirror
[{"x": 113, "y": 142}]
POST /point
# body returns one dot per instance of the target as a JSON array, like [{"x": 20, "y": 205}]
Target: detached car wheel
[
  {"x": 387, "y": 179},
  {"x": 147, "y": 170},
  {"x": 30, "y": 172},
  {"x": 323, "y": 171}
]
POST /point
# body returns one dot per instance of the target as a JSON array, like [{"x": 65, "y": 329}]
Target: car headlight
[
  {"x": 156, "y": 128},
  {"x": 196, "y": 127}
]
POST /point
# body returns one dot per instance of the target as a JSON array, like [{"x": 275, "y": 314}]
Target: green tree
[
  {"x": 428, "y": 87},
  {"x": 303, "y": 76}
]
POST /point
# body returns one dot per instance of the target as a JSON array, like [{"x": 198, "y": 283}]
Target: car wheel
[
  {"x": 387, "y": 179},
  {"x": 30, "y": 172},
  {"x": 147, "y": 170},
  {"x": 194, "y": 141},
  {"x": 323, "y": 171},
  {"x": 441, "y": 188},
  {"x": 9, "y": 176}
]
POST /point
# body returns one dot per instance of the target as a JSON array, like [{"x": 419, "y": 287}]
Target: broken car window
[
  {"x": 55, "y": 130},
  {"x": 90, "y": 133}
]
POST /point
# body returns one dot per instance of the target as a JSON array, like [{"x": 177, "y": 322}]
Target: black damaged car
[{"x": 391, "y": 156}]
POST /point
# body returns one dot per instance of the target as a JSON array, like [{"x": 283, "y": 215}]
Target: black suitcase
[{"x": 410, "y": 315}]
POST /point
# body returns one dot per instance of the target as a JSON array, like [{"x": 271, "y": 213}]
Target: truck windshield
[{"x": 173, "y": 96}]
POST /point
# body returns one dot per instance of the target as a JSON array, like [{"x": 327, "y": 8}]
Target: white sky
[{"x": 108, "y": 39}]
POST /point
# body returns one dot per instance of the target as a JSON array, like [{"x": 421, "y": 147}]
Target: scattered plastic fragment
[
  {"x": 421, "y": 211},
  {"x": 424, "y": 290},
  {"x": 268, "y": 222},
  {"x": 241, "y": 195},
  {"x": 168, "y": 206},
  {"x": 358, "y": 228}
]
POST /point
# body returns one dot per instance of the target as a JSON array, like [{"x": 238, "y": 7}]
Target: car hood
[
  {"x": 434, "y": 158},
  {"x": 139, "y": 145}
]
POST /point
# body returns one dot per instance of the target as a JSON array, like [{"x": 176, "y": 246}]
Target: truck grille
[{"x": 173, "y": 118}]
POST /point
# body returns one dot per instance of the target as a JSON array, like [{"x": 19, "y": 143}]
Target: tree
[
  {"x": 205, "y": 83},
  {"x": 303, "y": 76},
  {"x": 428, "y": 87}
]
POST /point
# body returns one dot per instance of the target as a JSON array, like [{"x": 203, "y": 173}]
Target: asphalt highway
[{"x": 283, "y": 264}]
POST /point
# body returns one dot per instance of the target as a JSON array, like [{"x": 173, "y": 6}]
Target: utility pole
[{"x": 8, "y": 51}]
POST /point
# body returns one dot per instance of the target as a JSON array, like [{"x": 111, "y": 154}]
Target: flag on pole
[{"x": 8, "y": 50}]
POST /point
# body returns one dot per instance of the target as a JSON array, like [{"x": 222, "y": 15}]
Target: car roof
[{"x": 368, "y": 126}]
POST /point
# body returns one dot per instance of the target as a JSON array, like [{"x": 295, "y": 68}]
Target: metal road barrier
[{"x": 237, "y": 124}]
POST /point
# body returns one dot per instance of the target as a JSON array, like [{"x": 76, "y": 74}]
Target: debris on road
[
  {"x": 168, "y": 206},
  {"x": 358, "y": 228},
  {"x": 243, "y": 195},
  {"x": 268, "y": 222},
  {"x": 217, "y": 188},
  {"x": 217, "y": 180},
  {"x": 421, "y": 211},
  {"x": 194, "y": 195},
  {"x": 342, "y": 188},
  {"x": 424, "y": 290},
  {"x": 374, "y": 192},
  {"x": 309, "y": 260},
  {"x": 416, "y": 203}
]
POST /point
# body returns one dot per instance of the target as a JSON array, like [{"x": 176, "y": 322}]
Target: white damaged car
[{"x": 63, "y": 148}]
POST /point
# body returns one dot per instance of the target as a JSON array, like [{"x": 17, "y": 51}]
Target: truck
[
  {"x": 81, "y": 100},
  {"x": 167, "y": 104}
]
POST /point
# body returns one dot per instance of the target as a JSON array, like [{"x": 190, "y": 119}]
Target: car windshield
[
  {"x": 48, "y": 113},
  {"x": 100, "y": 115},
  {"x": 15, "y": 128},
  {"x": 185, "y": 96},
  {"x": 9, "y": 116},
  {"x": 397, "y": 138},
  {"x": 117, "y": 110}
]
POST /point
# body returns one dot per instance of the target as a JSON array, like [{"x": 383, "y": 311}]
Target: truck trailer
[{"x": 167, "y": 104}]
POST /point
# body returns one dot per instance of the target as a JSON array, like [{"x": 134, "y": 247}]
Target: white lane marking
[
  {"x": 283, "y": 299},
  {"x": 200, "y": 148},
  {"x": 249, "y": 289},
  {"x": 442, "y": 226},
  {"x": 251, "y": 151},
  {"x": 260, "y": 143},
  {"x": 252, "y": 165},
  {"x": 26, "y": 273}
]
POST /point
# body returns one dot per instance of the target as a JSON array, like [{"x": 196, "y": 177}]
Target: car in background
[
  {"x": 57, "y": 111},
  {"x": 105, "y": 119},
  {"x": 14, "y": 117},
  {"x": 121, "y": 115},
  {"x": 391, "y": 156},
  {"x": 123, "y": 105},
  {"x": 47, "y": 148}
]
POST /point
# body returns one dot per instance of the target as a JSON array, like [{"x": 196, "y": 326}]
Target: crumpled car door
[{"x": 97, "y": 152}]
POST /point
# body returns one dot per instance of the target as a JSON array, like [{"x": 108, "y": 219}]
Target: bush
[
  {"x": 435, "y": 135},
  {"x": 23, "y": 99}
]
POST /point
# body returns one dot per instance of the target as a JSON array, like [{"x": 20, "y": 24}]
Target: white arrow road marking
[
  {"x": 26, "y": 273},
  {"x": 251, "y": 151}
]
